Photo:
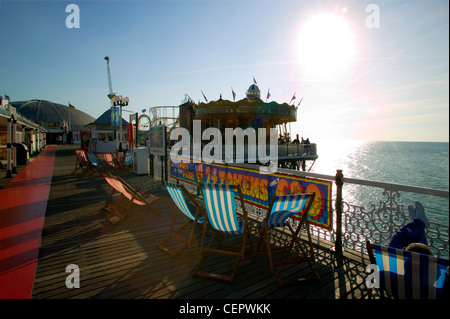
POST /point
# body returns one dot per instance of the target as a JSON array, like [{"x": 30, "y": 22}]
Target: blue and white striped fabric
[
  {"x": 408, "y": 275},
  {"x": 178, "y": 198},
  {"x": 94, "y": 160},
  {"x": 284, "y": 207},
  {"x": 220, "y": 206},
  {"x": 128, "y": 159}
]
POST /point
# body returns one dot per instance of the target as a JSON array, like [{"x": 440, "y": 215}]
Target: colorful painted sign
[
  {"x": 157, "y": 140},
  {"x": 258, "y": 188}
]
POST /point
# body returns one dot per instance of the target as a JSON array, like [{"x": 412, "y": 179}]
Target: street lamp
[{"x": 120, "y": 101}]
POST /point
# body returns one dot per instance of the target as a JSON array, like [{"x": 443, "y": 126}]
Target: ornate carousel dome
[
  {"x": 253, "y": 92},
  {"x": 52, "y": 115}
]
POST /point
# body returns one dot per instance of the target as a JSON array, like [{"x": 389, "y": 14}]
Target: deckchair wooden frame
[
  {"x": 82, "y": 163},
  {"x": 95, "y": 164},
  {"x": 197, "y": 221},
  {"x": 127, "y": 163},
  {"x": 237, "y": 252},
  {"x": 122, "y": 208},
  {"x": 111, "y": 162},
  {"x": 307, "y": 254}
]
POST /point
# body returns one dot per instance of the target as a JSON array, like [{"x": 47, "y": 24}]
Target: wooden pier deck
[{"x": 122, "y": 261}]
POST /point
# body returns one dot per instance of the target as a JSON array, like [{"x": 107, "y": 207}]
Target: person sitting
[
  {"x": 411, "y": 237},
  {"x": 419, "y": 248},
  {"x": 413, "y": 232}
]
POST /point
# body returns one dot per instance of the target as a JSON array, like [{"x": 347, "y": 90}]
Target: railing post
[{"x": 339, "y": 179}]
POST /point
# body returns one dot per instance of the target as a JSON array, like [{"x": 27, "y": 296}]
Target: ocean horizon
[{"x": 420, "y": 164}]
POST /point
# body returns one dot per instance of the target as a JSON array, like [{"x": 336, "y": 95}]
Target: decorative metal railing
[
  {"x": 380, "y": 213},
  {"x": 376, "y": 214}
]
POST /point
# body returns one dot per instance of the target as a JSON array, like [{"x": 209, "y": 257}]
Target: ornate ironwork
[{"x": 376, "y": 217}]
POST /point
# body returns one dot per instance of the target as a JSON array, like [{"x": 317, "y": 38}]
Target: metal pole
[
  {"x": 120, "y": 121},
  {"x": 8, "y": 151},
  {"x": 339, "y": 179},
  {"x": 14, "y": 145}
]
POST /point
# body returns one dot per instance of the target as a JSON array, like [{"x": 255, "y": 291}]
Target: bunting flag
[
  {"x": 254, "y": 81},
  {"x": 293, "y": 98},
  {"x": 300, "y": 102},
  {"x": 71, "y": 106},
  {"x": 204, "y": 96},
  {"x": 268, "y": 94},
  {"x": 234, "y": 94},
  {"x": 7, "y": 98}
]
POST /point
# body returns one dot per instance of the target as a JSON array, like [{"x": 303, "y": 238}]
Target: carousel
[{"x": 255, "y": 113}]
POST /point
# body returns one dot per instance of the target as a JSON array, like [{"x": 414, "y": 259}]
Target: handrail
[{"x": 353, "y": 223}]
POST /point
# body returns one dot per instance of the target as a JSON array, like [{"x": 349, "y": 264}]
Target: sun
[{"x": 326, "y": 45}]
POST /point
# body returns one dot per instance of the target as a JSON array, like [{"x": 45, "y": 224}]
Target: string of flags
[{"x": 255, "y": 82}]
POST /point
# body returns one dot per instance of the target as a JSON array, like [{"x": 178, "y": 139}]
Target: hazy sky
[{"x": 372, "y": 70}]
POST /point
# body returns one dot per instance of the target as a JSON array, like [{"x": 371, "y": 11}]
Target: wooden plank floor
[{"x": 122, "y": 261}]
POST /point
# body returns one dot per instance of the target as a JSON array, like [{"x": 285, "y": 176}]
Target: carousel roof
[{"x": 47, "y": 113}]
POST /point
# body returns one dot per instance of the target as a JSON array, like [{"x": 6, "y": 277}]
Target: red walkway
[{"x": 23, "y": 203}]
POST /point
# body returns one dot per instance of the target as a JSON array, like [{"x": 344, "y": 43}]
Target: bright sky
[{"x": 388, "y": 82}]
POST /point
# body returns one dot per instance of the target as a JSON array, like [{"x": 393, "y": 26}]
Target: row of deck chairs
[
  {"x": 91, "y": 163},
  {"x": 400, "y": 274},
  {"x": 220, "y": 221}
]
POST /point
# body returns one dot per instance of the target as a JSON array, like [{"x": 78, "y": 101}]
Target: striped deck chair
[
  {"x": 111, "y": 163},
  {"x": 177, "y": 193},
  {"x": 281, "y": 208},
  {"x": 222, "y": 218},
  {"x": 125, "y": 206},
  {"x": 96, "y": 165},
  {"x": 82, "y": 162},
  {"x": 127, "y": 164},
  {"x": 407, "y": 275}
]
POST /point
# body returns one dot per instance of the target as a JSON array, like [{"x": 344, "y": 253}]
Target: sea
[{"x": 421, "y": 164}]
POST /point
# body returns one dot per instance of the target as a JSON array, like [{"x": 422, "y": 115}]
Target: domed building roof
[
  {"x": 253, "y": 92},
  {"x": 52, "y": 115}
]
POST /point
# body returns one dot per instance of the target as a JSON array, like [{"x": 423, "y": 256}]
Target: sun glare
[{"x": 326, "y": 45}]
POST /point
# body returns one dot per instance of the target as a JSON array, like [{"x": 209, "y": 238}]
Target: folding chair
[
  {"x": 96, "y": 165},
  {"x": 221, "y": 216},
  {"x": 127, "y": 164},
  {"x": 82, "y": 162},
  {"x": 122, "y": 208},
  {"x": 281, "y": 208},
  {"x": 405, "y": 274},
  {"x": 177, "y": 192},
  {"x": 111, "y": 163}
]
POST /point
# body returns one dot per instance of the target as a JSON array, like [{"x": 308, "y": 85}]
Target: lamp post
[{"x": 120, "y": 101}]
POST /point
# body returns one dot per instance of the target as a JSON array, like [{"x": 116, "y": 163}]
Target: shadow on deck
[{"x": 122, "y": 261}]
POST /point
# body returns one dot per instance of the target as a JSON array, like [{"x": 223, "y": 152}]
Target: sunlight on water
[
  {"x": 418, "y": 164},
  {"x": 334, "y": 155}
]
